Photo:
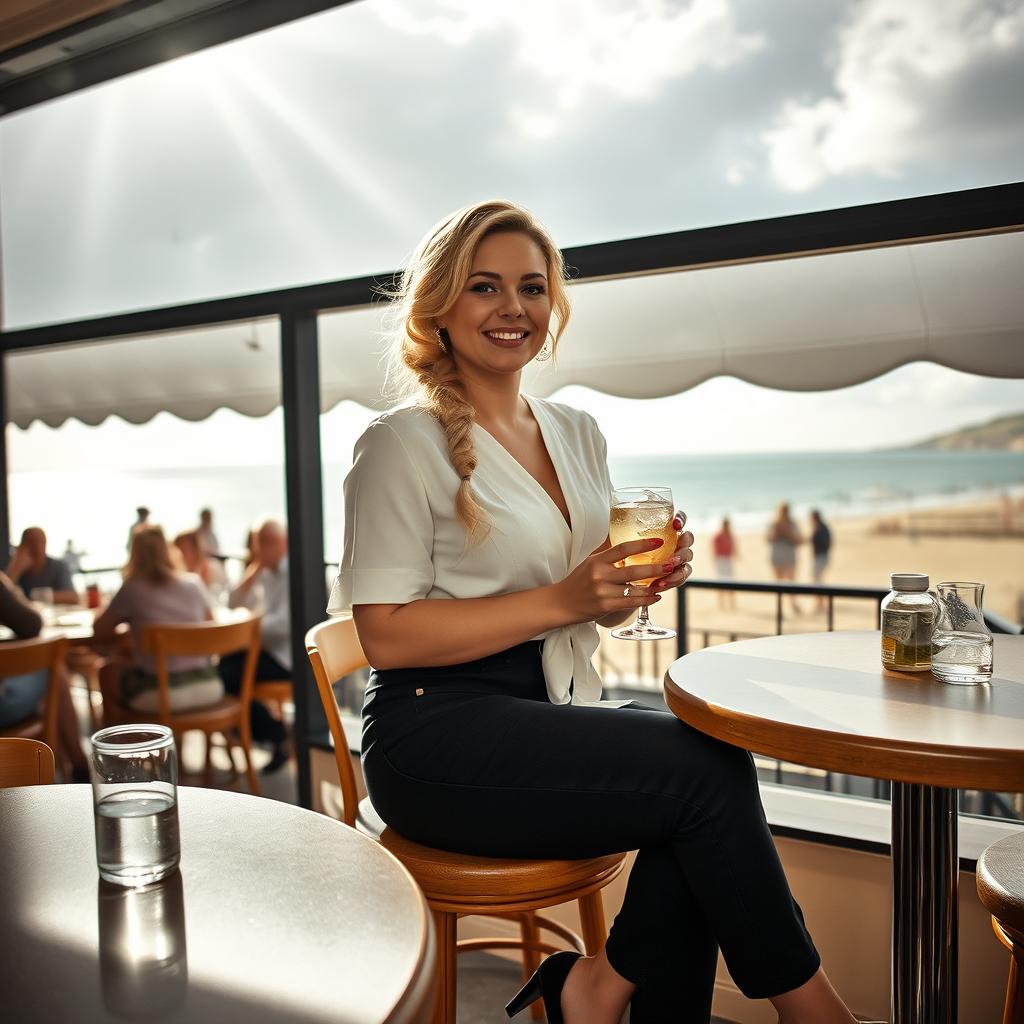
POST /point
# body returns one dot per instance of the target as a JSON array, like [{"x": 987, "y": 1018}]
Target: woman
[
  {"x": 154, "y": 591},
  {"x": 476, "y": 563},
  {"x": 192, "y": 556},
  {"x": 784, "y": 536}
]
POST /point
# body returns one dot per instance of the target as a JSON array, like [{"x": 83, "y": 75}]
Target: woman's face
[{"x": 500, "y": 321}]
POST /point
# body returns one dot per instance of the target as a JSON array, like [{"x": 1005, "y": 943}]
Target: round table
[
  {"x": 275, "y": 914},
  {"x": 823, "y": 700}
]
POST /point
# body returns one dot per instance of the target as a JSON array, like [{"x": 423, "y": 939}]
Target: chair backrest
[
  {"x": 334, "y": 651},
  {"x": 25, "y": 762},
  {"x": 164, "y": 640},
  {"x": 19, "y": 657}
]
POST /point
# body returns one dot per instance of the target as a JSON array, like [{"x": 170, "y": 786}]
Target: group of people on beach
[{"x": 784, "y": 538}]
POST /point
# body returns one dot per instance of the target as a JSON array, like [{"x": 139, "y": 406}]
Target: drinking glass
[
  {"x": 639, "y": 513},
  {"x": 961, "y": 642},
  {"x": 42, "y": 598},
  {"x": 134, "y": 772}
]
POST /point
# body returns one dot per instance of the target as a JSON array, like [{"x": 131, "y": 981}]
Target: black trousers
[
  {"x": 473, "y": 758},
  {"x": 265, "y": 727}
]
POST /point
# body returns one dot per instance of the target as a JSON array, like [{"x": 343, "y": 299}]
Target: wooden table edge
[{"x": 867, "y": 756}]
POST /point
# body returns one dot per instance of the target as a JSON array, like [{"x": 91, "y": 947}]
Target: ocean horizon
[{"x": 95, "y": 509}]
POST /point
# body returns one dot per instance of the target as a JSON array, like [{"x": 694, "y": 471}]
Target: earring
[
  {"x": 545, "y": 352},
  {"x": 440, "y": 338}
]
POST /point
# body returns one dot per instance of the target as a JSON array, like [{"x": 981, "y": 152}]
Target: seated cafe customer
[
  {"x": 264, "y": 588},
  {"x": 154, "y": 591},
  {"x": 20, "y": 696},
  {"x": 32, "y": 568}
]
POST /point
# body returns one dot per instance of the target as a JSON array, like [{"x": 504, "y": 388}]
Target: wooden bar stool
[
  {"x": 1001, "y": 890},
  {"x": 458, "y": 885}
]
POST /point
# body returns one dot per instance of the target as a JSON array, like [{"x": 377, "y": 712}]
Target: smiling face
[{"x": 500, "y": 320}]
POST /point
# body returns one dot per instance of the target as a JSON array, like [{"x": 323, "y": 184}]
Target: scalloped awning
[{"x": 806, "y": 323}]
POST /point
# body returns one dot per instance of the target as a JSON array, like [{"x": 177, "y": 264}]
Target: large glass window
[
  {"x": 322, "y": 149},
  {"x": 109, "y": 426}
]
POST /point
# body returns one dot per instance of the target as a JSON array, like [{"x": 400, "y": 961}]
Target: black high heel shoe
[{"x": 547, "y": 983}]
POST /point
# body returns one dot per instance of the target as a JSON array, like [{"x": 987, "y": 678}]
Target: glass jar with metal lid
[{"x": 909, "y": 612}]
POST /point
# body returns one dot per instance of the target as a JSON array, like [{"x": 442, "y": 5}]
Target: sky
[{"x": 323, "y": 149}]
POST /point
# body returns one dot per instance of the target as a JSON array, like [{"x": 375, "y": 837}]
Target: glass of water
[
  {"x": 961, "y": 642},
  {"x": 134, "y": 772}
]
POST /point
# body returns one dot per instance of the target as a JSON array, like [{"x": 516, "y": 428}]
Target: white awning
[{"x": 807, "y": 323}]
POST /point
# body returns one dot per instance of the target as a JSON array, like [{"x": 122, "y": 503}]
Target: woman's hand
[
  {"x": 598, "y": 587},
  {"x": 683, "y": 558}
]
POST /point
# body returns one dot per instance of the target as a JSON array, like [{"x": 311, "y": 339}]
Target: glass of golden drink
[{"x": 639, "y": 513}]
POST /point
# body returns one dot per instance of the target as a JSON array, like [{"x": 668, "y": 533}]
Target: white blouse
[{"x": 404, "y": 543}]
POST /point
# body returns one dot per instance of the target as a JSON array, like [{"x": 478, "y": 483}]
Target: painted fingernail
[{"x": 655, "y": 542}]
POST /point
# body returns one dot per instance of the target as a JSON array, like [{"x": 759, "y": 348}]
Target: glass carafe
[{"x": 961, "y": 642}]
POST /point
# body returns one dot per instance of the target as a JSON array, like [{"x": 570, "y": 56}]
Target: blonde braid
[{"x": 444, "y": 396}]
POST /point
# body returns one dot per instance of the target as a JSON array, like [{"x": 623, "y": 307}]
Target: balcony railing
[{"x": 644, "y": 681}]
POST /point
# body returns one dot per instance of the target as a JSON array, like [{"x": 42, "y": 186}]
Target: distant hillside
[{"x": 1003, "y": 434}]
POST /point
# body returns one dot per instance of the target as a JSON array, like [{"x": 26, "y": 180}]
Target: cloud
[
  {"x": 897, "y": 63},
  {"x": 575, "y": 51}
]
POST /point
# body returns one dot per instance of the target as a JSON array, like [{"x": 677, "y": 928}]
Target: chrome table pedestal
[{"x": 925, "y": 869}]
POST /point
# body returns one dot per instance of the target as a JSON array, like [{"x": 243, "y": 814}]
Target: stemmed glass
[{"x": 639, "y": 513}]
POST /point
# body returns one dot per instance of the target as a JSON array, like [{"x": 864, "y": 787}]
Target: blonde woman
[
  {"x": 154, "y": 590},
  {"x": 476, "y": 563}
]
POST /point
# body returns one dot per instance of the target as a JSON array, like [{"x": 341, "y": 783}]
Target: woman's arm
[
  {"x": 437, "y": 632},
  {"x": 104, "y": 627},
  {"x": 17, "y": 612}
]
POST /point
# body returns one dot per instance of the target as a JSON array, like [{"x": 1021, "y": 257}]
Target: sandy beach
[{"x": 983, "y": 542}]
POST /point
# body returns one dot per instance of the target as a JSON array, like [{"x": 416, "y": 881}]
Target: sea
[{"x": 95, "y": 509}]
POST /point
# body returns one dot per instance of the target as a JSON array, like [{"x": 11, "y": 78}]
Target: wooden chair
[
  {"x": 455, "y": 884},
  {"x": 230, "y": 715},
  {"x": 1000, "y": 881},
  {"x": 18, "y": 657},
  {"x": 25, "y": 763},
  {"x": 274, "y": 691}
]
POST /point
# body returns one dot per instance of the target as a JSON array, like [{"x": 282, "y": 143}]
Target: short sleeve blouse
[{"x": 403, "y": 542}]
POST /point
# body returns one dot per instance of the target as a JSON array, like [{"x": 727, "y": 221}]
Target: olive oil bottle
[{"x": 909, "y": 612}]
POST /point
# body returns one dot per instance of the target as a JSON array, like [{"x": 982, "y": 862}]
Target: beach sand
[{"x": 864, "y": 552}]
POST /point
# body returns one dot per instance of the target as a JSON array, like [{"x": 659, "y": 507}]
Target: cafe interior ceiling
[{"x": 802, "y": 323}]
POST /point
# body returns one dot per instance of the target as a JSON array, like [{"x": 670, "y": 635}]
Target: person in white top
[
  {"x": 264, "y": 588},
  {"x": 476, "y": 563}
]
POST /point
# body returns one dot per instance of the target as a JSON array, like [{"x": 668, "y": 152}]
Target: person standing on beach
[
  {"x": 783, "y": 536},
  {"x": 821, "y": 545},
  {"x": 141, "y": 519},
  {"x": 724, "y": 544},
  {"x": 211, "y": 544}
]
